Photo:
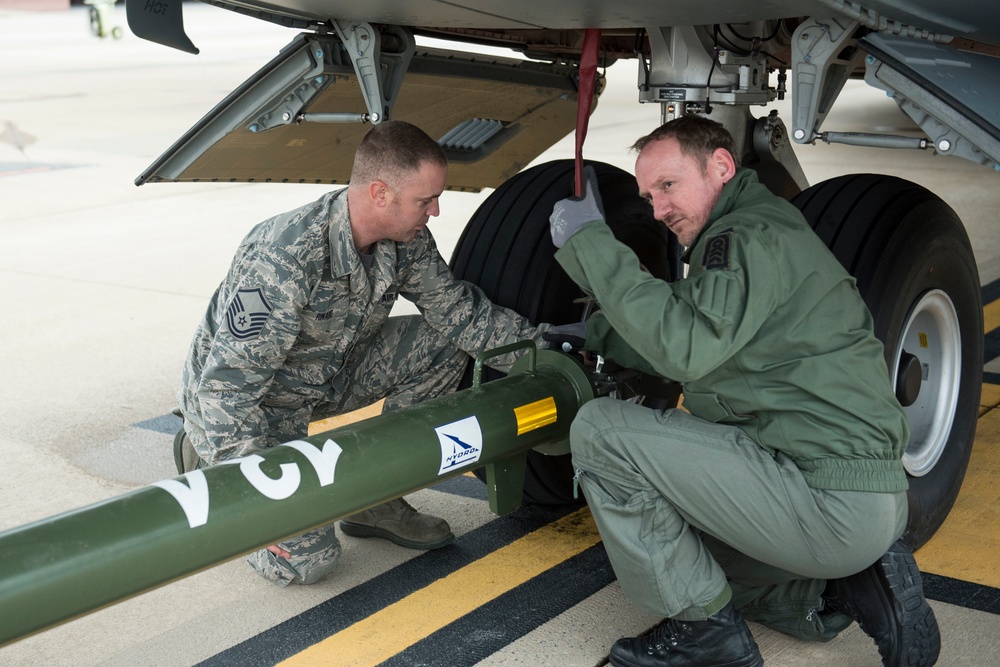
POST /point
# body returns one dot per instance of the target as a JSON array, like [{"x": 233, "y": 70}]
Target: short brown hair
[
  {"x": 697, "y": 136},
  {"x": 392, "y": 150}
]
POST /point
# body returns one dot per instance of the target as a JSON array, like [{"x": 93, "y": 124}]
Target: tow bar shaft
[{"x": 56, "y": 569}]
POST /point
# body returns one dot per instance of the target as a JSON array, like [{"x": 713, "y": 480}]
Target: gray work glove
[
  {"x": 567, "y": 337},
  {"x": 569, "y": 214}
]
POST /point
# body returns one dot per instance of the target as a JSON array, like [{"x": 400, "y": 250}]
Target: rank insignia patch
[
  {"x": 247, "y": 313},
  {"x": 717, "y": 251}
]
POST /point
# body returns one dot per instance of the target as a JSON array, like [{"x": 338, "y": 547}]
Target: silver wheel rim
[{"x": 931, "y": 334}]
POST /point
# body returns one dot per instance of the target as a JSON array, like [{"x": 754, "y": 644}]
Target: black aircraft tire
[
  {"x": 507, "y": 251},
  {"x": 916, "y": 271}
]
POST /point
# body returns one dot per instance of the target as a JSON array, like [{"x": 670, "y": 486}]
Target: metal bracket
[
  {"x": 967, "y": 142},
  {"x": 380, "y": 70},
  {"x": 823, "y": 58},
  {"x": 949, "y": 133},
  {"x": 770, "y": 142},
  {"x": 680, "y": 68},
  {"x": 505, "y": 483},
  {"x": 305, "y": 71}
]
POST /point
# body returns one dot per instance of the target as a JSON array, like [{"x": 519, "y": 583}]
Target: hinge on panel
[
  {"x": 823, "y": 57},
  {"x": 305, "y": 72},
  {"x": 381, "y": 55}
]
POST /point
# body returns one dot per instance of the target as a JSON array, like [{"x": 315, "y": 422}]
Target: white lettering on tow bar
[{"x": 193, "y": 496}]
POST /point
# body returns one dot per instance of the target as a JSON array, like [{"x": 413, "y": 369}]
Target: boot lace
[{"x": 666, "y": 636}]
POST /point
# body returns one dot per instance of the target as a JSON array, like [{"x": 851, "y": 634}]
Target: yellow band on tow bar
[{"x": 536, "y": 415}]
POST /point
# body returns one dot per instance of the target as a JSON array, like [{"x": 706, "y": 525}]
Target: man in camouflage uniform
[{"x": 300, "y": 330}]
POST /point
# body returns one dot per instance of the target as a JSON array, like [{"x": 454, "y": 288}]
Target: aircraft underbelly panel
[
  {"x": 510, "y": 111},
  {"x": 533, "y": 14},
  {"x": 968, "y": 18}
]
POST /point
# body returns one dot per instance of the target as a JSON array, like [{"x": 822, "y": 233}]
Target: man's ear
[
  {"x": 723, "y": 164},
  {"x": 379, "y": 193}
]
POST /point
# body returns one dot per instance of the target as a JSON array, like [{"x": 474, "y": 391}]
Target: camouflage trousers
[
  {"x": 406, "y": 363},
  {"x": 695, "y": 514}
]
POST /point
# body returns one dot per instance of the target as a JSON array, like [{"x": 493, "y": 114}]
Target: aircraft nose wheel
[{"x": 915, "y": 269}]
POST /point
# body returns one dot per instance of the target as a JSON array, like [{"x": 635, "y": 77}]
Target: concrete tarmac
[{"x": 102, "y": 284}]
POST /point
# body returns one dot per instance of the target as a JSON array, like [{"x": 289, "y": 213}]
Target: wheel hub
[
  {"x": 927, "y": 380},
  {"x": 908, "y": 378}
]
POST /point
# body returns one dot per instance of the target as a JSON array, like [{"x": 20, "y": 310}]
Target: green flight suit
[{"x": 788, "y": 469}]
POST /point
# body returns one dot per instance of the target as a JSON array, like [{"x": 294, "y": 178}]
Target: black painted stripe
[
  {"x": 961, "y": 593},
  {"x": 316, "y": 624},
  {"x": 991, "y": 346},
  {"x": 991, "y": 341},
  {"x": 991, "y": 291},
  {"x": 507, "y": 618}
]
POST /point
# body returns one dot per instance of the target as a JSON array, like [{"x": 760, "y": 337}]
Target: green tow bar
[{"x": 59, "y": 568}]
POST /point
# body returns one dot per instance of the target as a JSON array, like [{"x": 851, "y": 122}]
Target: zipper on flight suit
[{"x": 576, "y": 483}]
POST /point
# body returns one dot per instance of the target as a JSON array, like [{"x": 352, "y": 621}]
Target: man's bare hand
[{"x": 278, "y": 551}]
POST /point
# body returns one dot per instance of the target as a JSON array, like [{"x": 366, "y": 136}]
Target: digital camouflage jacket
[{"x": 297, "y": 307}]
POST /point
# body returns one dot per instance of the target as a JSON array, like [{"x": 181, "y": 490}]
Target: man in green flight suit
[
  {"x": 300, "y": 330},
  {"x": 779, "y": 495}
]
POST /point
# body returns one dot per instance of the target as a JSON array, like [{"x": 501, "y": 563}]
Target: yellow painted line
[
  {"x": 991, "y": 316},
  {"x": 967, "y": 546},
  {"x": 431, "y": 608},
  {"x": 990, "y": 398}
]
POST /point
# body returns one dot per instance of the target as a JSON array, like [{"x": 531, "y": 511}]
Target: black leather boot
[
  {"x": 887, "y": 600},
  {"x": 722, "y": 640}
]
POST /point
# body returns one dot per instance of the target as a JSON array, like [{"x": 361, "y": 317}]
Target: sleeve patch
[
  {"x": 247, "y": 313},
  {"x": 717, "y": 251}
]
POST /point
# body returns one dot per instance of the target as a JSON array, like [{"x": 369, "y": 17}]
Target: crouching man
[
  {"x": 779, "y": 496},
  {"x": 300, "y": 330}
]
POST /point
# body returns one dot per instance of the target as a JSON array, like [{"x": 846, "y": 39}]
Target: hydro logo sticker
[{"x": 461, "y": 443}]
